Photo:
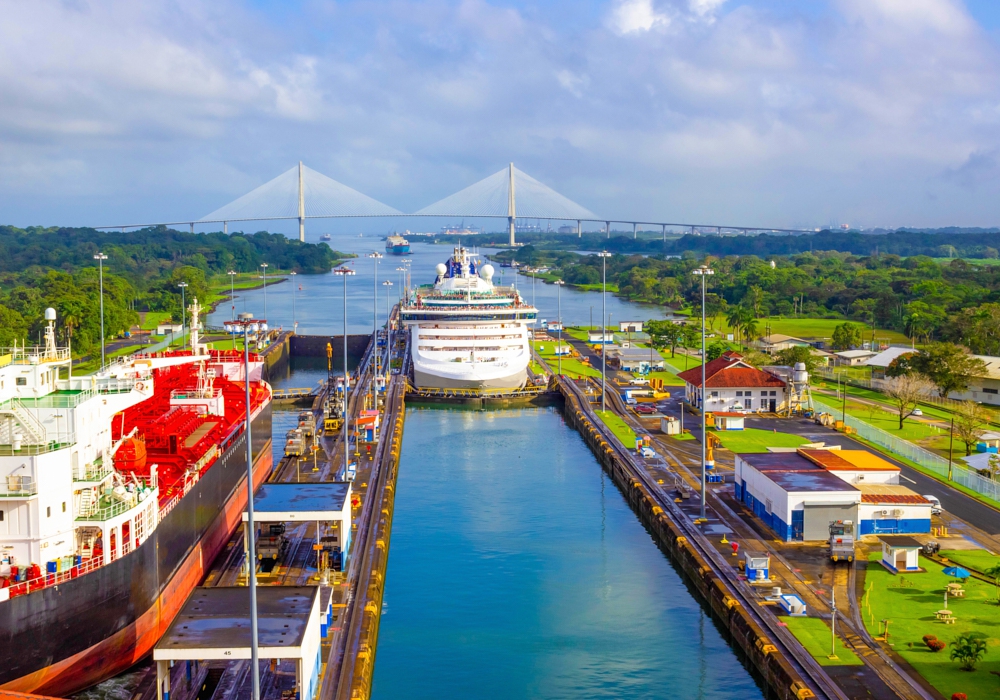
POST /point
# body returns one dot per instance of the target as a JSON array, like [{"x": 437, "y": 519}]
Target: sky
[{"x": 739, "y": 112}]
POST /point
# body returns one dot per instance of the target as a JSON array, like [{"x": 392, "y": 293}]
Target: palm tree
[
  {"x": 70, "y": 322},
  {"x": 734, "y": 318},
  {"x": 750, "y": 330}
]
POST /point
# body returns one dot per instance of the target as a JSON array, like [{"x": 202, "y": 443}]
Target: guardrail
[
  {"x": 15, "y": 486},
  {"x": 925, "y": 458}
]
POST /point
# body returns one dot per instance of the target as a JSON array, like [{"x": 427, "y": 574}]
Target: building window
[
  {"x": 1, "y": 516},
  {"x": 64, "y": 506},
  {"x": 715, "y": 394},
  {"x": 774, "y": 393},
  {"x": 990, "y": 391},
  {"x": 749, "y": 403},
  {"x": 48, "y": 511},
  {"x": 739, "y": 393},
  {"x": 22, "y": 381},
  {"x": 763, "y": 393},
  {"x": 767, "y": 506}
]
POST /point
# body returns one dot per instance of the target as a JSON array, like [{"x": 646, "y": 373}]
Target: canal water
[
  {"x": 319, "y": 304},
  {"x": 517, "y": 570}
]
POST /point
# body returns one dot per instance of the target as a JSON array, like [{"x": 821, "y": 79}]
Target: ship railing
[
  {"x": 36, "y": 354},
  {"x": 18, "y": 486},
  {"x": 8, "y": 450},
  {"x": 49, "y": 580},
  {"x": 107, "y": 512},
  {"x": 97, "y": 471}
]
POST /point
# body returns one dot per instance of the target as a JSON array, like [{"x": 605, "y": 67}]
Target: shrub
[
  {"x": 936, "y": 645},
  {"x": 928, "y": 637},
  {"x": 968, "y": 649},
  {"x": 959, "y": 696}
]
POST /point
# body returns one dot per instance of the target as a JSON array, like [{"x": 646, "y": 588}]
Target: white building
[
  {"x": 852, "y": 358},
  {"x": 799, "y": 494},
  {"x": 984, "y": 389},
  {"x": 733, "y": 385}
]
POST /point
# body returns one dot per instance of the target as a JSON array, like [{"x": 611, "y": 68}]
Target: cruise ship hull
[
  {"x": 398, "y": 249},
  {"x": 93, "y": 627},
  {"x": 425, "y": 379}
]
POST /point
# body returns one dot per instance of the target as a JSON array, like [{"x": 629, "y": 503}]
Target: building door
[
  {"x": 817, "y": 518},
  {"x": 774, "y": 405}
]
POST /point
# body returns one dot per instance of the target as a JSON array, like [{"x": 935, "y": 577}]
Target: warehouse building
[{"x": 798, "y": 494}]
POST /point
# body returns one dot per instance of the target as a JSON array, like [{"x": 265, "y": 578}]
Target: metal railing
[
  {"x": 55, "y": 579},
  {"x": 17, "y": 486},
  {"x": 914, "y": 453},
  {"x": 32, "y": 450},
  {"x": 105, "y": 513},
  {"x": 93, "y": 472}
]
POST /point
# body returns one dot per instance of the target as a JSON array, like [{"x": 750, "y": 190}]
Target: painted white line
[{"x": 907, "y": 478}]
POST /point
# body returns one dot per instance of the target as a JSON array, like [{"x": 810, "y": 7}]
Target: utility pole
[
  {"x": 345, "y": 272},
  {"x": 703, "y": 272},
  {"x": 951, "y": 445},
  {"x": 604, "y": 255},
  {"x": 100, "y": 258}
]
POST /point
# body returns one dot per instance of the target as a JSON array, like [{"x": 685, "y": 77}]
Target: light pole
[
  {"x": 245, "y": 328},
  {"x": 345, "y": 272},
  {"x": 100, "y": 258},
  {"x": 559, "y": 284},
  {"x": 375, "y": 256},
  {"x": 263, "y": 266},
  {"x": 703, "y": 272},
  {"x": 604, "y": 255},
  {"x": 183, "y": 286},
  {"x": 295, "y": 324},
  {"x": 388, "y": 327},
  {"x": 232, "y": 298},
  {"x": 402, "y": 280}
]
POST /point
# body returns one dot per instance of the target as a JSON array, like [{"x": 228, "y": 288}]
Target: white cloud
[
  {"x": 705, "y": 8},
  {"x": 631, "y": 16}
]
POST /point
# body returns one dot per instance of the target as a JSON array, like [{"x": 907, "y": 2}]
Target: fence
[
  {"x": 925, "y": 458},
  {"x": 878, "y": 385}
]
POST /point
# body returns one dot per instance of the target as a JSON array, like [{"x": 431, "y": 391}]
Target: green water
[{"x": 517, "y": 570}]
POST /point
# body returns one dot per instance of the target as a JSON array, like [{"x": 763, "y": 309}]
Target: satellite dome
[
  {"x": 486, "y": 272},
  {"x": 441, "y": 269},
  {"x": 50, "y": 314}
]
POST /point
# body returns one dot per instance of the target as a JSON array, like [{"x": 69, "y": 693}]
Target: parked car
[
  {"x": 935, "y": 504},
  {"x": 917, "y": 412},
  {"x": 645, "y": 409}
]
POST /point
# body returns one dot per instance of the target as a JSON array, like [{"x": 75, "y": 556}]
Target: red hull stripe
[{"x": 122, "y": 650}]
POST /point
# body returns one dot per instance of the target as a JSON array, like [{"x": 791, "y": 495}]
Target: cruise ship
[
  {"x": 467, "y": 333},
  {"x": 117, "y": 490}
]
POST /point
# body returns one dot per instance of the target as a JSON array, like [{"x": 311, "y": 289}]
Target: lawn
[
  {"x": 978, "y": 559},
  {"x": 612, "y": 287},
  {"x": 618, "y": 427},
  {"x": 909, "y": 601},
  {"x": 571, "y": 366},
  {"x": 814, "y": 635},
  {"x": 153, "y": 319},
  {"x": 754, "y": 440},
  {"x": 814, "y": 328},
  {"x": 669, "y": 378}
]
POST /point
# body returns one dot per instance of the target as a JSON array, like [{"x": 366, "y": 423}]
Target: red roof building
[{"x": 733, "y": 385}]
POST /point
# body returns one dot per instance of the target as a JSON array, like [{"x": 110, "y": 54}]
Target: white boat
[{"x": 467, "y": 333}]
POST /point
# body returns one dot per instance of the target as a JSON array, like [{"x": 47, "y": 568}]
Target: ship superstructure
[
  {"x": 116, "y": 490},
  {"x": 466, "y": 332},
  {"x": 397, "y": 245}
]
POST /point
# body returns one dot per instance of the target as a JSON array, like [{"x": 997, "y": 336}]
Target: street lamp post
[
  {"x": 263, "y": 267},
  {"x": 388, "y": 327},
  {"x": 245, "y": 328},
  {"x": 375, "y": 256},
  {"x": 604, "y": 255},
  {"x": 232, "y": 293},
  {"x": 345, "y": 272},
  {"x": 703, "y": 272},
  {"x": 183, "y": 286},
  {"x": 295, "y": 324},
  {"x": 559, "y": 284},
  {"x": 100, "y": 258}
]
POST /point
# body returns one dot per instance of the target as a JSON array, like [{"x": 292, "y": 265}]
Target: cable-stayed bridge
[{"x": 302, "y": 193}]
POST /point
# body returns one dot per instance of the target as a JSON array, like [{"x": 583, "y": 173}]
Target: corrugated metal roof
[
  {"x": 815, "y": 480},
  {"x": 862, "y": 459},
  {"x": 778, "y": 461},
  {"x": 890, "y": 494}
]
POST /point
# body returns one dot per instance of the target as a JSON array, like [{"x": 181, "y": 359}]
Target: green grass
[
  {"x": 683, "y": 436},
  {"x": 94, "y": 363},
  {"x": 612, "y": 287},
  {"x": 909, "y": 601},
  {"x": 754, "y": 440},
  {"x": 814, "y": 634},
  {"x": 618, "y": 426},
  {"x": 813, "y": 328},
  {"x": 153, "y": 319},
  {"x": 571, "y": 366},
  {"x": 978, "y": 559},
  {"x": 669, "y": 378}
]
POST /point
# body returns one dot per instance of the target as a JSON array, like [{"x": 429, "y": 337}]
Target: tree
[
  {"x": 690, "y": 339},
  {"x": 792, "y": 356},
  {"x": 750, "y": 330},
  {"x": 949, "y": 366},
  {"x": 757, "y": 358},
  {"x": 900, "y": 365},
  {"x": 968, "y": 650},
  {"x": 993, "y": 467},
  {"x": 734, "y": 319},
  {"x": 971, "y": 419},
  {"x": 715, "y": 349},
  {"x": 994, "y": 573},
  {"x": 865, "y": 308},
  {"x": 906, "y": 392},
  {"x": 664, "y": 333},
  {"x": 846, "y": 336}
]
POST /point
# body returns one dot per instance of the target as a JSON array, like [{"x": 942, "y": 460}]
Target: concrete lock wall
[{"x": 315, "y": 346}]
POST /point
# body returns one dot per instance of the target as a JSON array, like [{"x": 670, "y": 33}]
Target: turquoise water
[{"x": 517, "y": 570}]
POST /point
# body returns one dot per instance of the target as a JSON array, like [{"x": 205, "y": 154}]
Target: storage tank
[{"x": 799, "y": 373}]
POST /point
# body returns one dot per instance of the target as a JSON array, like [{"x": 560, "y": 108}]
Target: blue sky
[{"x": 752, "y": 112}]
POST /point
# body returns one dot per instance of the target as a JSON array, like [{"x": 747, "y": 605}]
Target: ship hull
[
  {"x": 398, "y": 249},
  {"x": 62, "y": 639},
  {"x": 429, "y": 380}
]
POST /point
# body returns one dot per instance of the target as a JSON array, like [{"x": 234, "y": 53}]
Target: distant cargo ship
[
  {"x": 325, "y": 237},
  {"x": 397, "y": 245}
]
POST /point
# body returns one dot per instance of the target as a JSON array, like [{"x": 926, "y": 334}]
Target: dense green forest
[
  {"x": 947, "y": 243},
  {"x": 926, "y": 299},
  {"x": 41, "y": 267}
]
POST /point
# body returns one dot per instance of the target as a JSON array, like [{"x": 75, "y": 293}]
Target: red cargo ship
[{"x": 154, "y": 500}]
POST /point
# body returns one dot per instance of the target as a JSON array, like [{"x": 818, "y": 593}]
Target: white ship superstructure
[{"x": 466, "y": 332}]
